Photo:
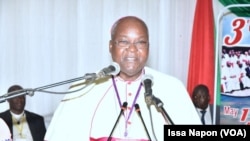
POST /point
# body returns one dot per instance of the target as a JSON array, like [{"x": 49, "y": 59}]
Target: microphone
[
  {"x": 137, "y": 109},
  {"x": 18, "y": 93},
  {"x": 112, "y": 69},
  {"x": 150, "y": 99},
  {"x": 147, "y": 81},
  {"x": 124, "y": 107}
]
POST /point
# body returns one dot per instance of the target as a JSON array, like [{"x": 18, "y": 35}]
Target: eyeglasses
[{"x": 126, "y": 44}]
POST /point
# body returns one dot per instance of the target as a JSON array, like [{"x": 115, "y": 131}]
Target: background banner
[{"x": 234, "y": 68}]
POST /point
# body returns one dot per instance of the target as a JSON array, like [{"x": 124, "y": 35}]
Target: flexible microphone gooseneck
[
  {"x": 123, "y": 108},
  {"x": 137, "y": 109}
]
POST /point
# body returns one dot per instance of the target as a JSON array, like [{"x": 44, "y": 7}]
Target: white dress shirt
[{"x": 208, "y": 116}]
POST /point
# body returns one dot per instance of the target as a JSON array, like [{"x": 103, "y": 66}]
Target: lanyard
[{"x": 132, "y": 106}]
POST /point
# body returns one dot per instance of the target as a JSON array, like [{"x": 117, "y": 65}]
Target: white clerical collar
[
  {"x": 138, "y": 78},
  {"x": 17, "y": 116}
]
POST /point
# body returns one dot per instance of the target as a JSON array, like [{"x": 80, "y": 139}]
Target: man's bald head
[{"x": 125, "y": 20}]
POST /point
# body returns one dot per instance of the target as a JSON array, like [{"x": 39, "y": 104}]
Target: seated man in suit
[
  {"x": 201, "y": 99},
  {"x": 24, "y": 125}
]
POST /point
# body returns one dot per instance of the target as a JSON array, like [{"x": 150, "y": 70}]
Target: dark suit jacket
[
  {"x": 36, "y": 124},
  {"x": 217, "y": 112}
]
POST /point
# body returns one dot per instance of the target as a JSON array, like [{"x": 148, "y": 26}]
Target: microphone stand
[
  {"x": 137, "y": 108},
  {"x": 10, "y": 95},
  {"x": 151, "y": 99},
  {"x": 124, "y": 106},
  {"x": 88, "y": 77},
  {"x": 159, "y": 106}
]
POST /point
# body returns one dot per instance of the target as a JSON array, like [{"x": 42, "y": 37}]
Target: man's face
[
  {"x": 17, "y": 104},
  {"x": 201, "y": 100},
  {"x": 130, "y": 48}
]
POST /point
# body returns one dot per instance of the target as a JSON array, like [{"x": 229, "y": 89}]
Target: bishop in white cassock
[{"x": 91, "y": 113}]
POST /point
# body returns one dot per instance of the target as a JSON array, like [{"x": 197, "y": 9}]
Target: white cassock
[{"x": 90, "y": 114}]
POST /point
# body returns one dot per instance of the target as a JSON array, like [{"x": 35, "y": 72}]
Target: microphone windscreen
[
  {"x": 137, "y": 106},
  {"x": 147, "y": 77},
  {"x": 115, "y": 67}
]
